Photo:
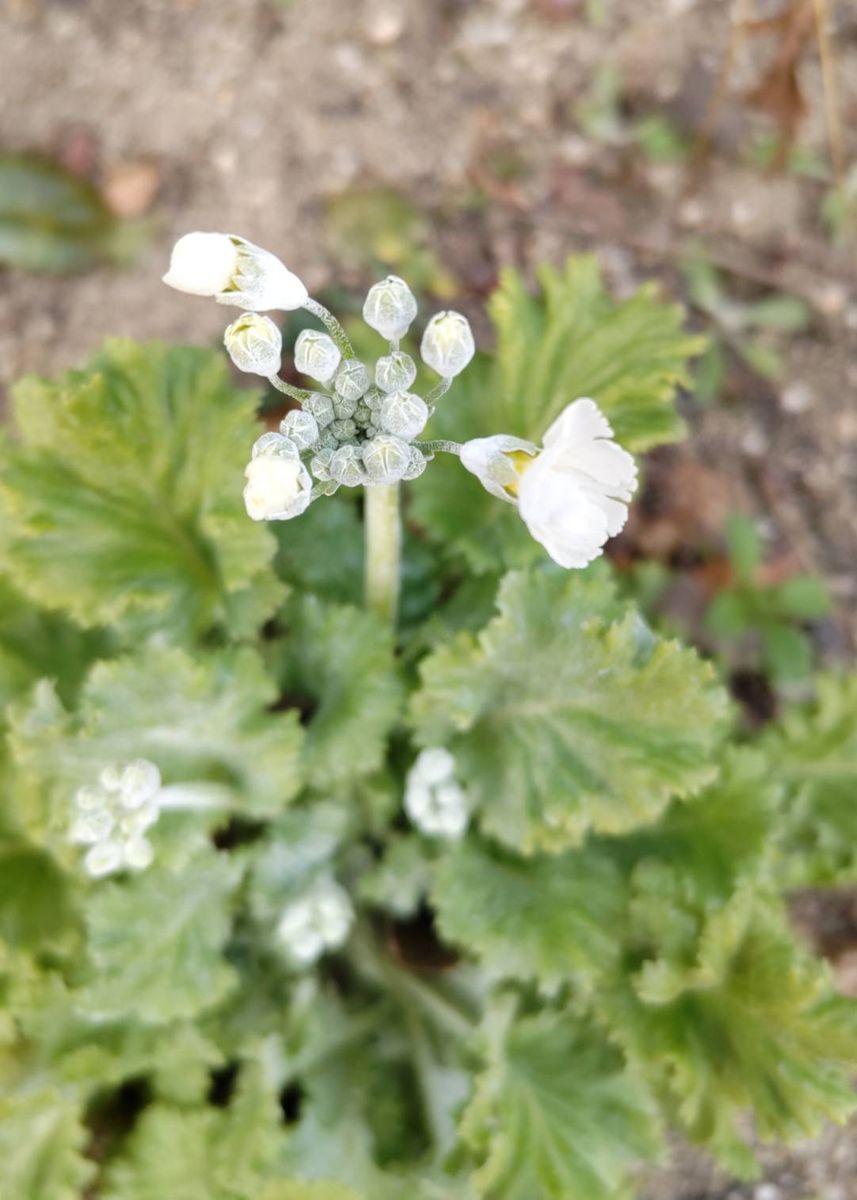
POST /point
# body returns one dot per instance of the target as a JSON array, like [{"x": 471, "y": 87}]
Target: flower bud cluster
[
  {"x": 112, "y": 816},
  {"x": 315, "y": 922},
  {"x": 434, "y": 800},
  {"x": 358, "y": 426}
]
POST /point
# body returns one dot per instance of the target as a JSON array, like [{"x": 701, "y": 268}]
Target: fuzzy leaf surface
[
  {"x": 564, "y": 719},
  {"x": 556, "y": 1115},
  {"x": 122, "y": 495}
]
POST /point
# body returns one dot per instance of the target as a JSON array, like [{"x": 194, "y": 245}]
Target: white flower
[
  {"x": 434, "y": 801},
  {"x": 317, "y": 921},
  {"x": 390, "y": 307},
  {"x": 234, "y": 271},
  {"x": 254, "y": 344},
  {"x": 112, "y": 817},
  {"x": 316, "y": 355},
  {"x": 447, "y": 346},
  {"x": 278, "y": 485},
  {"x": 573, "y": 494}
]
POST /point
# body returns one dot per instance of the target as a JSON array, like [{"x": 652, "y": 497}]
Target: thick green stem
[{"x": 383, "y": 547}]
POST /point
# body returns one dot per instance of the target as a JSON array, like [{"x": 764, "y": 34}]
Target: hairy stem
[
  {"x": 383, "y": 547},
  {"x": 288, "y": 389},
  {"x": 332, "y": 326},
  {"x": 440, "y": 445}
]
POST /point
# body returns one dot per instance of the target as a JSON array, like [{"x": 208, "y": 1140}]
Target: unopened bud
[
  {"x": 321, "y": 407},
  {"x": 387, "y": 458},
  {"x": 254, "y": 344},
  {"x": 395, "y": 372},
  {"x": 301, "y": 427},
  {"x": 447, "y": 346},
  {"x": 316, "y": 355},
  {"x": 352, "y": 379},
  {"x": 403, "y": 414},
  {"x": 390, "y": 307},
  {"x": 346, "y": 466}
]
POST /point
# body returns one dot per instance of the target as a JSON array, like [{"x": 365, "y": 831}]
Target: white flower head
[
  {"x": 434, "y": 800},
  {"x": 573, "y": 494},
  {"x": 316, "y": 922},
  {"x": 112, "y": 817},
  {"x": 254, "y": 344},
  {"x": 278, "y": 486},
  {"x": 317, "y": 355},
  {"x": 447, "y": 346},
  {"x": 234, "y": 271},
  {"x": 403, "y": 414},
  {"x": 390, "y": 307}
]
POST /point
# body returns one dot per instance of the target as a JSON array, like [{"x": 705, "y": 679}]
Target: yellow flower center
[{"x": 520, "y": 460}]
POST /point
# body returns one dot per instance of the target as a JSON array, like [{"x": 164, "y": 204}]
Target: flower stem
[
  {"x": 288, "y": 389},
  {"x": 382, "y": 548},
  {"x": 332, "y": 326}
]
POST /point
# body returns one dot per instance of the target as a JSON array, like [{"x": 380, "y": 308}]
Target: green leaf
[
  {"x": 551, "y": 920},
  {"x": 123, "y": 494},
  {"x": 36, "y": 903},
  {"x": 341, "y": 659},
  {"x": 42, "y": 1140},
  {"x": 745, "y": 546},
  {"x": 565, "y": 719},
  {"x": 200, "y": 720},
  {"x": 572, "y": 340},
  {"x": 54, "y": 221},
  {"x": 557, "y": 1116},
  {"x": 787, "y": 652},
  {"x": 748, "y": 1024},
  {"x": 156, "y": 942},
  {"x": 803, "y": 597},
  {"x": 785, "y": 314},
  {"x": 814, "y": 747},
  {"x": 212, "y": 1154}
]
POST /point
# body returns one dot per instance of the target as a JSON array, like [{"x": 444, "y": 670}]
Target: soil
[{"x": 253, "y": 116}]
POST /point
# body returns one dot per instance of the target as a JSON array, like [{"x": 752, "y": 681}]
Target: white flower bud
[
  {"x": 390, "y": 307},
  {"x": 92, "y": 827},
  {"x": 137, "y": 853},
  {"x": 352, "y": 379},
  {"x": 321, "y": 407},
  {"x": 395, "y": 372},
  {"x": 403, "y": 414},
  {"x": 417, "y": 464},
  {"x": 103, "y": 859},
  {"x": 139, "y": 783},
  {"x": 279, "y": 486},
  {"x": 234, "y": 271},
  {"x": 434, "y": 801},
  {"x": 318, "y": 921},
  {"x": 447, "y": 346},
  {"x": 346, "y": 466},
  {"x": 317, "y": 355},
  {"x": 344, "y": 431},
  {"x": 320, "y": 465},
  {"x": 345, "y": 406},
  {"x": 255, "y": 344},
  {"x": 301, "y": 427},
  {"x": 387, "y": 458}
]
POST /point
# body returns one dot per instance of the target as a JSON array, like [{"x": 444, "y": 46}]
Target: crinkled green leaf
[
  {"x": 37, "y": 907},
  {"x": 399, "y": 882},
  {"x": 814, "y": 750},
  {"x": 748, "y": 1024},
  {"x": 572, "y": 340},
  {"x": 549, "y": 919},
  {"x": 200, "y": 719},
  {"x": 338, "y": 662},
  {"x": 556, "y": 1115},
  {"x": 42, "y": 1140},
  {"x": 123, "y": 495},
  {"x": 564, "y": 719},
  {"x": 156, "y": 941}
]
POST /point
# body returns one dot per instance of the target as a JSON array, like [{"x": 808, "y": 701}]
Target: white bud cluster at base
[
  {"x": 315, "y": 922},
  {"x": 434, "y": 800},
  {"x": 112, "y": 817}
]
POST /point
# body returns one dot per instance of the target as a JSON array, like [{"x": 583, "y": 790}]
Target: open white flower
[
  {"x": 234, "y": 271},
  {"x": 254, "y": 344},
  {"x": 279, "y": 486},
  {"x": 434, "y": 800},
  {"x": 573, "y": 494},
  {"x": 112, "y": 817}
]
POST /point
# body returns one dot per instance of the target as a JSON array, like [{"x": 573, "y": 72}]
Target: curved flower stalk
[{"x": 360, "y": 426}]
